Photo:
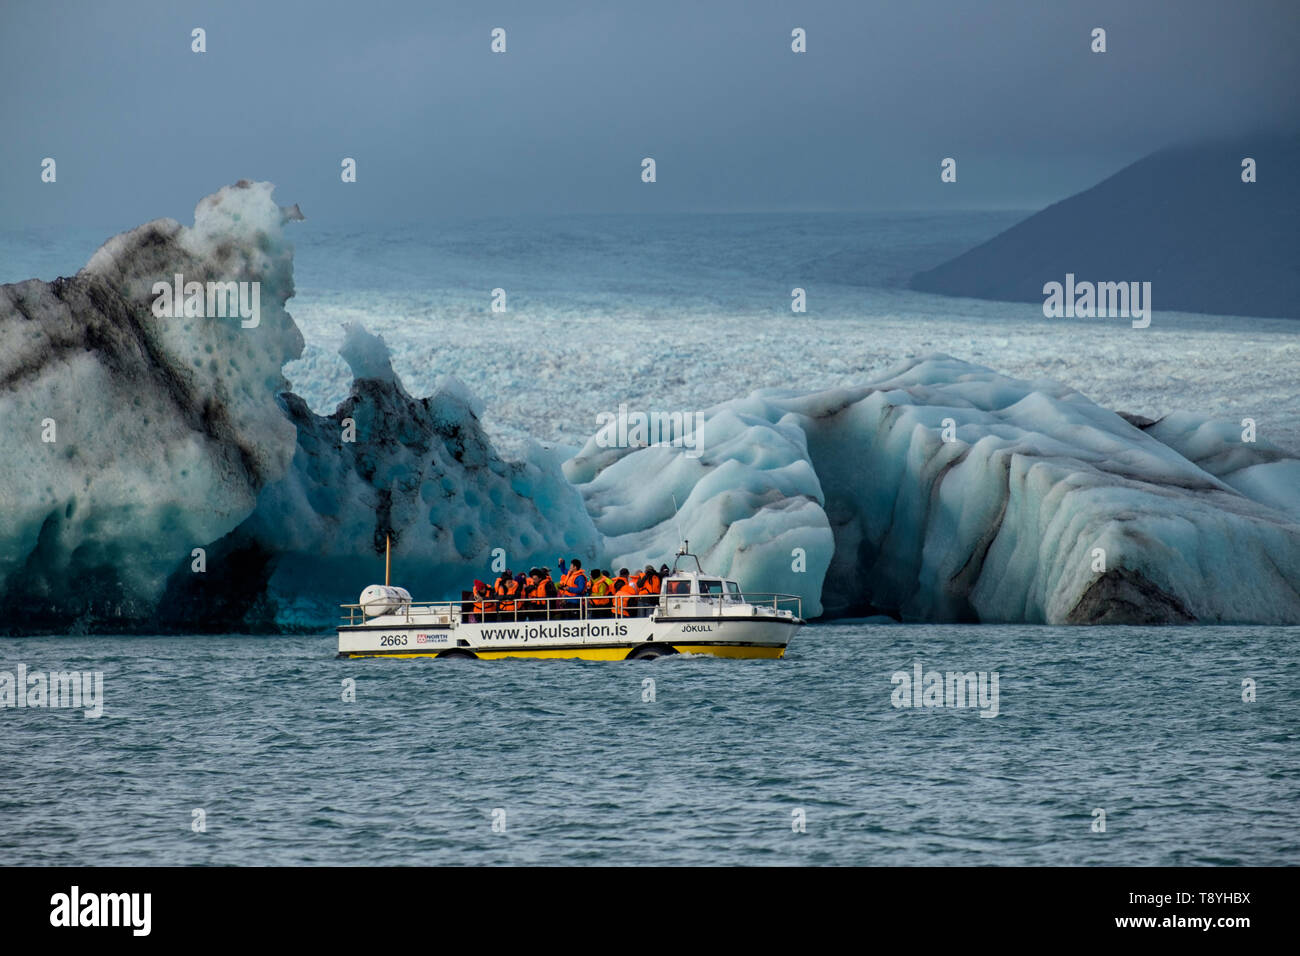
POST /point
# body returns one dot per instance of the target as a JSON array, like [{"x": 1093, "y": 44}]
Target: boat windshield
[
  {"x": 710, "y": 588},
  {"x": 733, "y": 591}
]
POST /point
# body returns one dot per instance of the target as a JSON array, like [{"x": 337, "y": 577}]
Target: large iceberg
[
  {"x": 161, "y": 476},
  {"x": 135, "y": 438},
  {"x": 947, "y": 492}
]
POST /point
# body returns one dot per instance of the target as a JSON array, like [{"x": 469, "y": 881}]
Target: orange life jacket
[
  {"x": 602, "y": 593},
  {"x": 650, "y": 584},
  {"x": 507, "y": 590},
  {"x": 628, "y": 590},
  {"x": 569, "y": 579},
  {"x": 542, "y": 590},
  {"x": 482, "y": 603}
]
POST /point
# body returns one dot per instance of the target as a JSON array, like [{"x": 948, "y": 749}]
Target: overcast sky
[{"x": 439, "y": 125}]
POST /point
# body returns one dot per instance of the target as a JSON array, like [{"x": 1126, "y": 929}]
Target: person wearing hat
[
  {"x": 483, "y": 603},
  {"x": 534, "y": 593}
]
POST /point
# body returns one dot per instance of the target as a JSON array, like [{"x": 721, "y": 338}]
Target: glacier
[{"x": 940, "y": 490}]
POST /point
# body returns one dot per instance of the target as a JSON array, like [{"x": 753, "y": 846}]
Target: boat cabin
[{"x": 700, "y": 587}]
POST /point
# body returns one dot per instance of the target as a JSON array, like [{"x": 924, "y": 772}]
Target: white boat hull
[{"x": 756, "y": 636}]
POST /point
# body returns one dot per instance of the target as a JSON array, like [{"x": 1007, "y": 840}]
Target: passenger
[
  {"x": 507, "y": 592},
  {"x": 546, "y": 591},
  {"x": 533, "y": 605},
  {"x": 650, "y": 584},
  {"x": 602, "y": 594},
  {"x": 626, "y": 596},
  {"x": 621, "y": 579},
  {"x": 483, "y": 603},
  {"x": 573, "y": 584}
]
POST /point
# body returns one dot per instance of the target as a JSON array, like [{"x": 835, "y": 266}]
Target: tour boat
[{"x": 694, "y": 613}]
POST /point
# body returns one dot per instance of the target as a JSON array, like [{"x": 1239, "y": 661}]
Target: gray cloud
[{"x": 140, "y": 126}]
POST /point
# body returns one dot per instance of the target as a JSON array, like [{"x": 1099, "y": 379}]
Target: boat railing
[
  {"x": 423, "y": 610},
  {"x": 447, "y": 613},
  {"x": 777, "y": 601}
]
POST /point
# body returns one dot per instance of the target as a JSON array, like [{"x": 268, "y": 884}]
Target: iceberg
[
  {"x": 750, "y": 504},
  {"x": 383, "y": 467},
  {"x": 953, "y": 493},
  {"x": 136, "y": 439},
  {"x": 163, "y": 479}
]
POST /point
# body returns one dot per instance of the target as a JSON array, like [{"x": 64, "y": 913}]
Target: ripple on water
[{"x": 726, "y": 765}]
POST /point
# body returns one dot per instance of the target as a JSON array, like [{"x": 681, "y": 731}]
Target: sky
[{"x": 440, "y": 126}]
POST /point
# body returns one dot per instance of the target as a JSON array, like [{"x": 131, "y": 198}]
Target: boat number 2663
[{"x": 392, "y": 640}]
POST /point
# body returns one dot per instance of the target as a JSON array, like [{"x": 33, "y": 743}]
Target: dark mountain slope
[{"x": 1181, "y": 219}]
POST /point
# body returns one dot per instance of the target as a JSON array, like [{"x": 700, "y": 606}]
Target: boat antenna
[
  {"x": 388, "y": 557},
  {"x": 677, "y": 521}
]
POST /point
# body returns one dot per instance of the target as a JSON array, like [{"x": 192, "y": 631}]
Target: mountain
[{"x": 1181, "y": 219}]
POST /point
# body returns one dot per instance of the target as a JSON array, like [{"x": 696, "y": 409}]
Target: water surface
[{"x": 1147, "y": 724}]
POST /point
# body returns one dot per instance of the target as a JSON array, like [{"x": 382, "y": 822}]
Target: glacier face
[
  {"x": 940, "y": 491},
  {"x": 1043, "y": 507}
]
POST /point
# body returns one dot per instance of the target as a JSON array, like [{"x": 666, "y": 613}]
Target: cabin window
[
  {"x": 733, "y": 591},
  {"x": 710, "y": 588},
  {"x": 679, "y": 587}
]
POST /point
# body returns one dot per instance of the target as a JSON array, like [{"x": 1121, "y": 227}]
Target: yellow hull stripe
[
  {"x": 605, "y": 653},
  {"x": 724, "y": 650},
  {"x": 592, "y": 654}
]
